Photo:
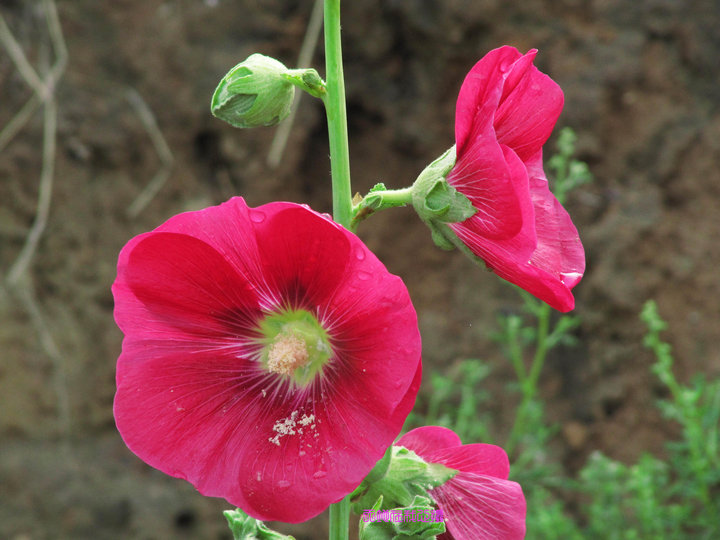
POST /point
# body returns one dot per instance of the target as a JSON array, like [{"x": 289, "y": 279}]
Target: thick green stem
[
  {"x": 335, "y": 109},
  {"x": 339, "y": 517}
]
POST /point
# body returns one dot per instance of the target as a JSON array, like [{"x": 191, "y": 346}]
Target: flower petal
[
  {"x": 495, "y": 188},
  {"x": 502, "y": 251},
  {"x": 480, "y": 94},
  {"x": 559, "y": 249},
  {"x": 428, "y": 439},
  {"x": 529, "y": 107},
  {"x": 307, "y": 258},
  {"x": 189, "y": 289},
  {"x": 478, "y": 507},
  {"x": 482, "y": 459}
]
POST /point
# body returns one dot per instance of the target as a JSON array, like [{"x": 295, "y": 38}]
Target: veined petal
[
  {"x": 559, "y": 250},
  {"x": 480, "y": 94},
  {"x": 529, "y": 107},
  {"x": 428, "y": 439},
  {"x": 513, "y": 250},
  {"x": 478, "y": 507}
]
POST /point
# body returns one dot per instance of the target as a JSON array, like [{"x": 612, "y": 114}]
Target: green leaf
[
  {"x": 407, "y": 476},
  {"x": 418, "y": 521},
  {"x": 245, "y": 527}
]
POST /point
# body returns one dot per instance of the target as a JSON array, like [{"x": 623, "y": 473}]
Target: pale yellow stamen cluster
[{"x": 286, "y": 354}]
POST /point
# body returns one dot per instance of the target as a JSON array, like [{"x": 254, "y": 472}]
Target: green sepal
[
  {"x": 437, "y": 201},
  {"x": 377, "y": 473},
  {"x": 418, "y": 521},
  {"x": 254, "y": 93},
  {"x": 439, "y": 232},
  {"x": 244, "y": 527},
  {"x": 407, "y": 476},
  {"x": 447, "y": 204}
]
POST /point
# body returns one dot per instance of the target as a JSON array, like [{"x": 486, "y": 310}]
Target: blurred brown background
[{"x": 641, "y": 80}]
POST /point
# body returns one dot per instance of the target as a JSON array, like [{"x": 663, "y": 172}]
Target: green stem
[
  {"x": 528, "y": 383},
  {"x": 394, "y": 197},
  {"x": 339, "y": 517},
  {"x": 541, "y": 347},
  {"x": 335, "y": 110},
  {"x": 379, "y": 200},
  {"x": 334, "y": 100}
]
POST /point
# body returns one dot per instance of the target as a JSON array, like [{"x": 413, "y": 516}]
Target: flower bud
[{"x": 254, "y": 93}]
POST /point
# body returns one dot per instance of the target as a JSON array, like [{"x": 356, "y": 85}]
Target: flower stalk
[
  {"x": 335, "y": 109},
  {"x": 336, "y": 112}
]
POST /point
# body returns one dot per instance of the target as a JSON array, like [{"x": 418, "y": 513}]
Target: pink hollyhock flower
[
  {"x": 505, "y": 112},
  {"x": 479, "y": 502},
  {"x": 269, "y": 357}
]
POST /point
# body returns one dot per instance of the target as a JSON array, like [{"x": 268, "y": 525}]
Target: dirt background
[{"x": 642, "y": 88}]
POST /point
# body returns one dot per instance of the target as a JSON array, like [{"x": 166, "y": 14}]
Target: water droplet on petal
[
  {"x": 320, "y": 474},
  {"x": 364, "y": 276},
  {"x": 282, "y": 485},
  {"x": 257, "y": 216},
  {"x": 359, "y": 253}
]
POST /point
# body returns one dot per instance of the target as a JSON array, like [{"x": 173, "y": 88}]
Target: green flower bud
[{"x": 254, "y": 93}]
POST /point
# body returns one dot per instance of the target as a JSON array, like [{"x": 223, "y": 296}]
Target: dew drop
[
  {"x": 283, "y": 485},
  {"x": 359, "y": 253},
  {"x": 320, "y": 474},
  {"x": 363, "y": 275},
  {"x": 257, "y": 216}
]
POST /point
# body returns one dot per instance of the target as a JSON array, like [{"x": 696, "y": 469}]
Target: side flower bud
[{"x": 254, "y": 93}]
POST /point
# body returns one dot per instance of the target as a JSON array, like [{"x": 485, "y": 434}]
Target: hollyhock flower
[
  {"x": 479, "y": 502},
  {"x": 269, "y": 357},
  {"x": 505, "y": 112}
]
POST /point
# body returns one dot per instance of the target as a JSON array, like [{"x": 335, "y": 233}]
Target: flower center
[
  {"x": 286, "y": 354},
  {"x": 295, "y": 345}
]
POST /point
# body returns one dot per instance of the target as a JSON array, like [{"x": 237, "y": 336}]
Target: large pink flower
[
  {"x": 479, "y": 502},
  {"x": 269, "y": 357},
  {"x": 505, "y": 112}
]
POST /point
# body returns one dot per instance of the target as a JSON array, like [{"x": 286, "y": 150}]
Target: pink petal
[
  {"x": 428, "y": 439},
  {"x": 480, "y": 95},
  {"x": 555, "y": 262},
  {"x": 482, "y": 459},
  {"x": 189, "y": 289},
  {"x": 559, "y": 249},
  {"x": 481, "y": 172},
  {"x": 308, "y": 257},
  {"x": 478, "y": 507},
  {"x": 529, "y": 107},
  {"x": 500, "y": 252}
]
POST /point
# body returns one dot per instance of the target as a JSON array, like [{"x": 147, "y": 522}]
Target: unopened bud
[{"x": 254, "y": 93}]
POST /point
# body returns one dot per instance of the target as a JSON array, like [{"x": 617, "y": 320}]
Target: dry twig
[{"x": 161, "y": 147}]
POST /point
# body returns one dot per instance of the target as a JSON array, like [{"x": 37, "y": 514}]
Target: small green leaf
[
  {"x": 244, "y": 527},
  {"x": 418, "y": 521},
  {"x": 408, "y": 476}
]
